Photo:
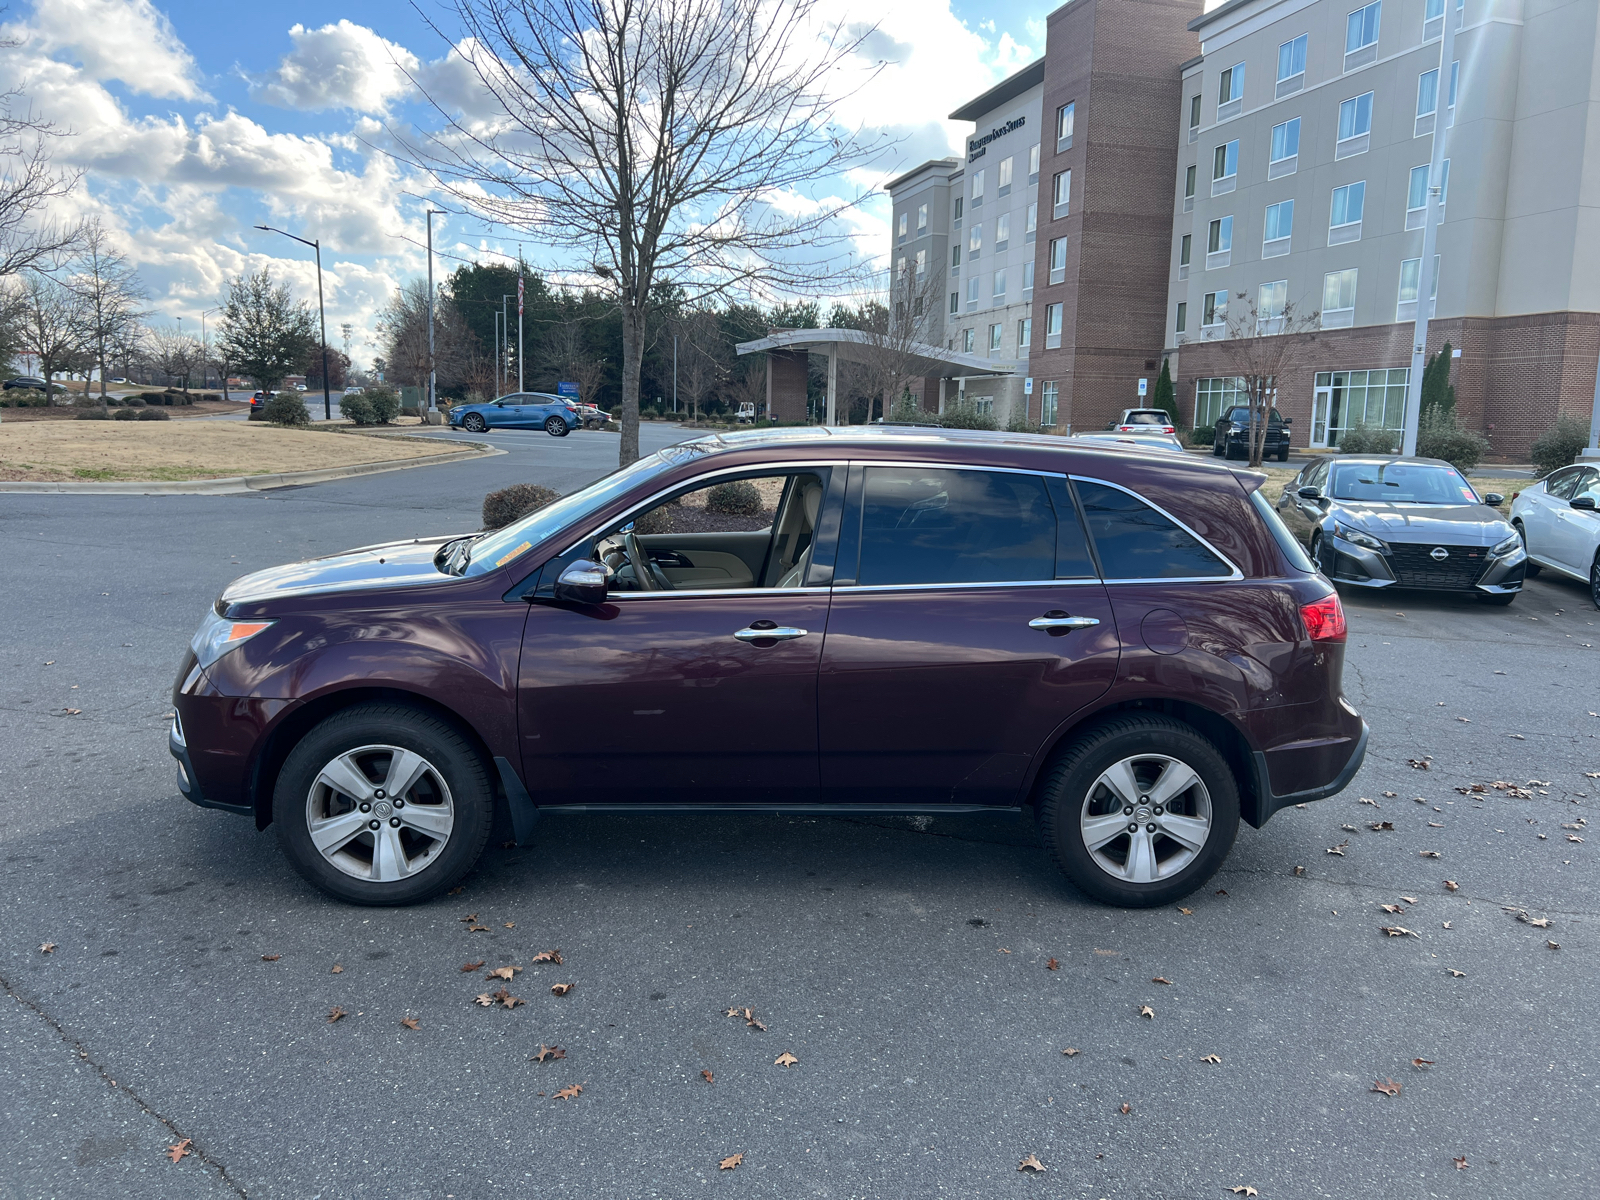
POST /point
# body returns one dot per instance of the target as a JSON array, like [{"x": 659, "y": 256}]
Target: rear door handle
[
  {"x": 777, "y": 633},
  {"x": 1060, "y": 620}
]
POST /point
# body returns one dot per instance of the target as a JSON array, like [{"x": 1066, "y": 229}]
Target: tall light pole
[
  {"x": 322, "y": 317},
  {"x": 1430, "y": 235},
  {"x": 433, "y": 375},
  {"x": 505, "y": 333},
  {"x": 205, "y": 360},
  {"x": 519, "y": 317}
]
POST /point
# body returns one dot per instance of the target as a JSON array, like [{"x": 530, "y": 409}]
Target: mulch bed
[{"x": 687, "y": 518}]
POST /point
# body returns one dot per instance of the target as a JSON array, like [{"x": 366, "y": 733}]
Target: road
[{"x": 902, "y": 962}]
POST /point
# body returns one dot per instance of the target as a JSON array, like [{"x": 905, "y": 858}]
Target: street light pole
[
  {"x": 505, "y": 334},
  {"x": 433, "y": 374},
  {"x": 205, "y": 358},
  {"x": 322, "y": 317}
]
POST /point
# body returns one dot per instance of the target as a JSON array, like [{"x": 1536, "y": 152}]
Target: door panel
[
  {"x": 931, "y": 696},
  {"x": 651, "y": 699}
]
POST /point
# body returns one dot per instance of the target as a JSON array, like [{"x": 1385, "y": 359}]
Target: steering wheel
[{"x": 640, "y": 562}]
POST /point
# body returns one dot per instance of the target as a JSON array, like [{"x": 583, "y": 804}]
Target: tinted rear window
[
  {"x": 1135, "y": 541},
  {"x": 928, "y": 525}
]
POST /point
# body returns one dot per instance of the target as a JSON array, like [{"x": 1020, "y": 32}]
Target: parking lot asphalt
[{"x": 903, "y": 962}]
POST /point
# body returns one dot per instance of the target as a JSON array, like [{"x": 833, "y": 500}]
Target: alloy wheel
[
  {"x": 474, "y": 423},
  {"x": 380, "y": 813},
  {"x": 1146, "y": 818}
]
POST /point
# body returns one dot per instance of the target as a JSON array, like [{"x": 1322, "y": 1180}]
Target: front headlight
[
  {"x": 1514, "y": 542},
  {"x": 1357, "y": 538},
  {"x": 217, "y": 635}
]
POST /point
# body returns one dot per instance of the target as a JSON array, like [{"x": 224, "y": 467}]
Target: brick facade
[{"x": 787, "y": 372}]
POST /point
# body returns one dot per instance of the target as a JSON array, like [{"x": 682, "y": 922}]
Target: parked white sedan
[{"x": 1559, "y": 520}]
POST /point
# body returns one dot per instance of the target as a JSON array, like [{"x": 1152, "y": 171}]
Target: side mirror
[
  {"x": 1310, "y": 492},
  {"x": 1584, "y": 502},
  {"x": 583, "y": 582},
  {"x": 1288, "y": 420},
  {"x": 1493, "y": 499}
]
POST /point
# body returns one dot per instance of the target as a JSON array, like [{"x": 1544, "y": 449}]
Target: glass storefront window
[
  {"x": 1346, "y": 399},
  {"x": 1214, "y": 396}
]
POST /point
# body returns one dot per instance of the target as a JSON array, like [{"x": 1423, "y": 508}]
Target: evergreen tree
[
  {"x": 1438, "y": 393},
  {"x": 1164, "y": 397}
]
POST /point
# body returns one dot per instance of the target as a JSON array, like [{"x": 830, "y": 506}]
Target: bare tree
[
  {"x": 897, "y": 334},
  {"x": 1265, "y": 339},
  {"x": 700, "y": 362},
  {"x": 564, "y": 355},
  {"x": 28, "y": 183},
  {"x": 174, "y": 353},
  {"x": 111, "y": 291},
  {"x": 403, "y": 333},
  {"x": 54, "y": 326},
  {"x": 651, "y": 136}
]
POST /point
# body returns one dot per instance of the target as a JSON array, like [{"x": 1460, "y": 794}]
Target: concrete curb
[{"x": 235, "y": 485}]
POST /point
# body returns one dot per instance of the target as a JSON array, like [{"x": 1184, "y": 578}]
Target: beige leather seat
[{"x": 812, "y": 501}]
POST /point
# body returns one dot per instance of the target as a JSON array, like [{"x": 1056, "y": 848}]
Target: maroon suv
[{"x": 792, "y": 620}]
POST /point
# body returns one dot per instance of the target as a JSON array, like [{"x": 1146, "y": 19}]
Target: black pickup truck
[{"x": 1233, "y": 434}]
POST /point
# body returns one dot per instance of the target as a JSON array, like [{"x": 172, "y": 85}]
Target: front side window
[
  {"x": 1225, "y": 161},
  {"x": 1280, "y": 220},
  {"x": 1004, "y": 177},
  {"x": 1355, "y": 117},
  {"x": 1563, "y": 483},
  {"x": 1135, "y": 541},
  {"x": 927, "y": 525},
  {"x": 1348, "y": 203},
  {"x": 1286, "y": 140},
  {"x": 1361, "y": 28},
  {"x": 1214, "y": 310},
  {"x": 1292, "y": 58}
]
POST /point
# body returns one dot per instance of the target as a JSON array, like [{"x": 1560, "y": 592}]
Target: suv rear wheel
[
  {"x": 1139, "y": 811},
  {"x": 383, "y": 804}
]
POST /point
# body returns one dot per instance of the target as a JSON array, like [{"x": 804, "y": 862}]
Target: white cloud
[
  {"x": 338, "y": 66},
  {"x": 126, "y": 40}
]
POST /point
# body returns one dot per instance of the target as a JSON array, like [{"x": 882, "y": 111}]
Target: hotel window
[
  {"x": 1344, "y": 218},
  {"x": 996, "y": 332},
  {"x": 1024, "y": 333},
  {"x": 1219, "y": 243},
  {"x": 916, "y": 306},
  {"x": 1285, "y": 158},
  {"x": 968, "y": 340},
  {"x": 1194, "y": 117},
  {"x": 1033, "y": 163},
  {"x": 1027, "y": 278},
  {"x": 922, "y": 219},
  {"x": 1183, "y": 318},
  {"x": 1272, "y": 301},
  {"x": 975, "y": 240},
  {"x": 1455, "y": 78},
  {"x": 1183, "y": 255},
  {"x": 1339, "y": 299},
  {"x": 1063, "y": 193},
  {"x": 1052, "y": 326},
  {"x": 957, "y": 217},
  {"x": 1433, "y": 19},
  {"x": 972, "y": 293},
  {"x": 999, "y": 285},
  {"x": 1214, "y": 396},
  {"x": 1033, "y": 223},
  {"x": 1279, "y": 229},
  {"x": 1410, "y": 270},
  {"x": 900, "y": 270},
  {"x": 1002, "y": 231},
  {"x": 1225, "y": 168},
  {"x": 1291, "y": 67},
  {"x": 955, "y": 307},
  {"x": 1417, "y": 198},
  {"x": 1355, "y": 126},
  {"x": 955, "y": 256},
  {"x": 1427, "y": 102},
  {"x": 977, "y": 188},
  {"x": 1214, "y": 309},
  {"x": 1188, "y": 188},
  {"x": 922, "y": 265},
  {"x": 1049, "y": 403},
  {"x": 1058, "y": 259},
  {"x": 1230, "y": 92},
  {"x": 902, "y": 227},
  {"x": 1065, "y": 117},
  {"x": 1003, "y": 178},
  {"x": 1361, "y": 36}
]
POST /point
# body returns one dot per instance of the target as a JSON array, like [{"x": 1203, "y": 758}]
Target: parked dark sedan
[
  {"x": 28, "y": 382},
  {"x": 1378, "y": 521},
  {"x": 932, "y": 622}
]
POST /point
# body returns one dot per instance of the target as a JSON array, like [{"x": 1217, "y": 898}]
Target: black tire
[
  {"x": 1229, "y": 452},
  {"x": 1532, "y": 569},
  {"x": 450, "y": 757},
  {"x": 555, "y": 427},
  {"x": 1497, "y": 599},
  {"x": 1069, "y": 786},
  {"x": 1216, "y": 449},
  {"x": 1316, "y": 554},
  {"x": 1283, "y": 453},
  {"x": 474, "y": 423},
  {"x": 1594, "y": 580}
]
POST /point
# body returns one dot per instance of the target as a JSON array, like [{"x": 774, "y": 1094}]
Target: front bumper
[
  {"x": 188, "y": 782},
  {"x": 1410, "y": 565}
]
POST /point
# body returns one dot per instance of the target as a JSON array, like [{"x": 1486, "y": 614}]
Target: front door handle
[
  {"x": 1055, "y": 619},
  {"x": 775, "y": 633}
]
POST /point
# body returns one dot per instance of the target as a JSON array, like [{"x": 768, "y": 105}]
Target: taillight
[{"x": 1324, "y": 619}]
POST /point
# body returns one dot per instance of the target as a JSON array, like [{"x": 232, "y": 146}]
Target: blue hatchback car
[{"x": 556, "y": 415}]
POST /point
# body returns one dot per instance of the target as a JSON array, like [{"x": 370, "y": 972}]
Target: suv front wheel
[{"x": 1139, "y": 811}]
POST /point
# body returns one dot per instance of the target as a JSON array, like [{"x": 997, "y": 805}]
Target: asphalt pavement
[{"x": 903, "y": 962}]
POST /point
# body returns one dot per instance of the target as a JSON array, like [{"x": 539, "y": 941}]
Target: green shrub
[
  {"x": 1370, "y": 439},
  {"x": 739, "y": 498},
  {"x": 152, "y": 397},
  {"x": 132, "y": 402},
  {"x": 127, "y": 414},
  {"x": 1559, "y": 445},
  {"x": 210, "y": 397},
  {"x": 512, "y": 503},
  {"x": 359, "y": 409},
  {"x": 1438, "y": 436},
  {"x": 657, "y": 520},
  {"x": 1203, "y": 435},
  {"x": 286, "y": 408},
  {"x": 172, "y": 396},
  {"x": 153, "y": 414},
  {"x": 22, "y": 398},
  {"x": 85, "y": 400},
  {"x": 93, "y": 414},
  {"x": 964, "y": 414},
  {"x": 385, "y": 403}
]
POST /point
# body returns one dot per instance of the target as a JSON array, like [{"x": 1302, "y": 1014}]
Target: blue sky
[{"x": 194, "y": 121}]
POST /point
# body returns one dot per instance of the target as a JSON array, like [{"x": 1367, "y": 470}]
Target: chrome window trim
[
  {"x": 678, "y": 593},
  {"x": 1236, "y": 576}
]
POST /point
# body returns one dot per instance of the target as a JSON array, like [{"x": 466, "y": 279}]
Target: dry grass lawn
[{"x": 172, "y": 450}]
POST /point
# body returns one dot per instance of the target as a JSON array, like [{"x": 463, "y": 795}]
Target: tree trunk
[{"x": 632, "y": 361}]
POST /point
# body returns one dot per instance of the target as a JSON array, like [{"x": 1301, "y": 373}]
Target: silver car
[{"x": 1558, "y": 519}]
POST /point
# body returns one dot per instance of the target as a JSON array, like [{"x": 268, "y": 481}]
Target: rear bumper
[{"x": 1269, "y": 802}]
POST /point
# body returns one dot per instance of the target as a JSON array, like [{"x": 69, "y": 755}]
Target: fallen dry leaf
[
  {"x": 472, "y": 966},
  {"x": 507, "y": 999},
  {"x": 549, "y": 956},
  {"x": 1148, "y": 1013},
  {"x": 1369, "y": 800},
  {"x": 570, "y": 1092},
  {"x": 503, "y": 972},
  {"x": 1457, "y": 974},
  {"x": 337, "y": 969},
  {"x": 457, "y": 890},
  {"x": 1572, "y": 837},
  {"x": 484, "y": 999},
  {"x": 177, "y": 1151},
  {"x": 1435, "y": 825},
  {"x": 1188, "y": 912},
  {"x": 1339, "y": 849},
  {"x": 1244, "y": 1190},
  {"x": 1299, "y": 870},
  {"x": 1380, "y": 826},
  {"x": 1052, "y": 965},
  {"x": 1211, "y": 1058},
  {"x": 785, "y": 1060},
  {"x": 1450, "y": 885},
  {"x": 560, "y": 989},
  {"x": 1409, "y": 899},
  {"x": 1391, "y": 908},
  {"x": 1553, "y": 945},
  {"x": 1536, "y": 922},
  {"x": 477, "y": 929},
  {"x": 411, "y": 1022},
  {"x": 470, "y": 918},
  {"x": 732, "y": 1161},
  {"x": 1031, "y": 1163},
  {"x": 708, "y": 1077},
  {"x": 1425, "y": 763},
  {"x": 271, "y": 957},
  {"x": 509, "y": 925},
  {"x": 1444, "y": 924},
  {"x": 1072, "y": 1052},
  {"x": 47, "y": 948},
  {"x": 1461, "y": 1162},
  {"x": 1387, "y": 1086},
  {"x": 1422, "y": 1064},
  {"x": 1400, "y": 931},
  {"x": 1429, "y": 854},
  {"x": 550, "y": 1052},
  {"x": 335, "y": 1013},
  {"x": 1162, "y": 979},
  {"x": 1125, "y": 1109},
  {"x": 1391, "y": 795},
  {"x": 72, "y": 712}
]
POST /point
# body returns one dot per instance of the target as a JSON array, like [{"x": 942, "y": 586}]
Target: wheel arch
[{"x": 300, "y": 720}]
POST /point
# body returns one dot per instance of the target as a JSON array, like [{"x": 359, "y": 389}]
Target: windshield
[
  {"x": 1401, "y": 483},
  {"x": 496, "y": 549}
]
